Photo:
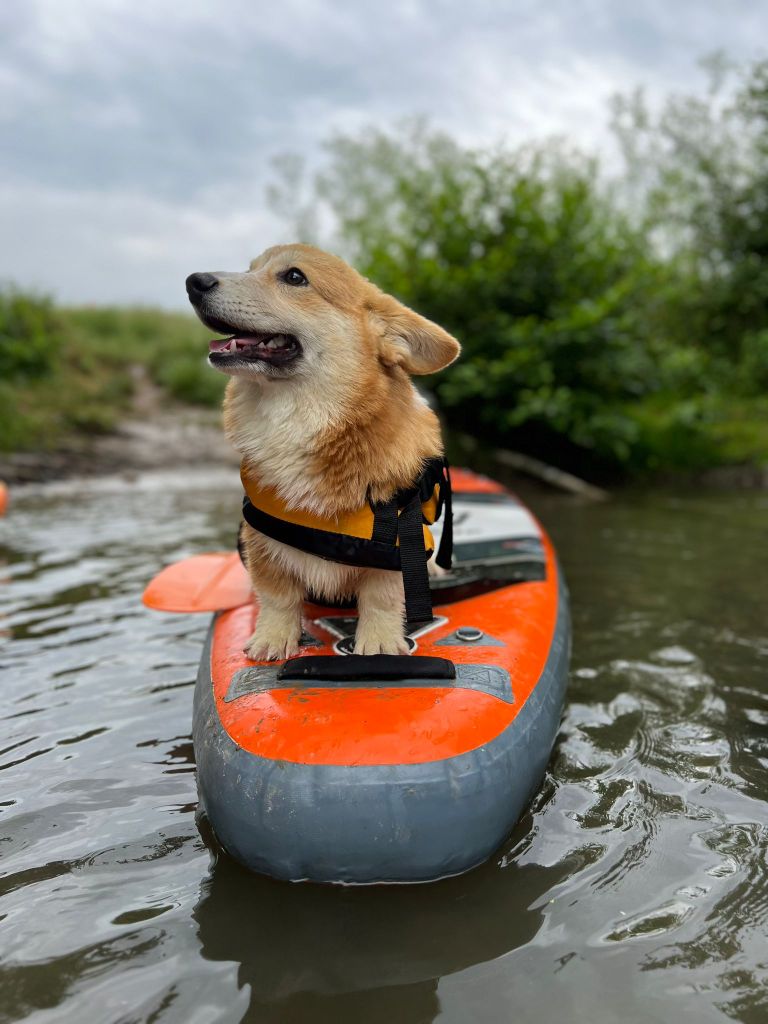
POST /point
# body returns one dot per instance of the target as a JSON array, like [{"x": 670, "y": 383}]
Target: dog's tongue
[
  {"x": 230, "y": 344},
  {"x": 219, "y": 344}
]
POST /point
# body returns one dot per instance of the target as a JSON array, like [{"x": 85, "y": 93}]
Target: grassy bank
[{"x": 66, "y": 373}]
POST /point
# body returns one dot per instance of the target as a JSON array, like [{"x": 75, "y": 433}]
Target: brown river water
[{"x": 635, "y": 889}]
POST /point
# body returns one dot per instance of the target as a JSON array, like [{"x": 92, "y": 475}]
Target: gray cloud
[{"x": 140, "y": 135}]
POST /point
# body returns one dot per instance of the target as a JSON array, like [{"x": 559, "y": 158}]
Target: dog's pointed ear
[{"x": 410, "y": 340}]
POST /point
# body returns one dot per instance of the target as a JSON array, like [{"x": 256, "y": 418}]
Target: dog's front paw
[
  {"x": 372, "y": 641},
  {"x": 273, "y": 644}
]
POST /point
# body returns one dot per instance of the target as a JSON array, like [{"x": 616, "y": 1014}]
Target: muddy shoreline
[
  {"x": 157, "y": 434},
  {"x": 169, "y": 441}
]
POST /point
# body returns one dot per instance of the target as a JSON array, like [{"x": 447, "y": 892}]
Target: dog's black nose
[{"x": 198, "y": 284}]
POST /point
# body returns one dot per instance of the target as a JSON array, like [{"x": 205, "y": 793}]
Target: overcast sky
[{"x": 137, "y": 134}]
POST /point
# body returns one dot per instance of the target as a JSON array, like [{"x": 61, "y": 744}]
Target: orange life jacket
[{"x": 384, "y": 535}]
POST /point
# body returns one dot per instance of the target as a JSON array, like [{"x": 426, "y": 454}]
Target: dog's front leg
[
  {"x": 380, "y": 605},
  {"x": 278, "y": 627}
]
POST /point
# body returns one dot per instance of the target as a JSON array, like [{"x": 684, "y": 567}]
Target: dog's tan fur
[{"x": 343, "y": 423}]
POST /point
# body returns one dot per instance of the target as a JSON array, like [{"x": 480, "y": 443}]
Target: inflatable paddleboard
[{"x": 333, "y": 767}]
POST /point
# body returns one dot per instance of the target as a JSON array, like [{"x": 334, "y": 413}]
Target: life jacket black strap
[
  {"x": 335, "y": 547},
  {"x": 444, "y": 556},
  {"x": 413, "y": 558},
  {"x": 385, "y": 522},
  {"x": 413, "y": 563}
]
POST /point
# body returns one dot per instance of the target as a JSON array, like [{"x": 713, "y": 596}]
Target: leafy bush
[
  {"x": 30, "y": 335},
  {"x": 701, "y": 170},
  {"x": 190, "y": 379},
  {"x": 751, "y": 376},
  {"x": 172, "y": 346}
]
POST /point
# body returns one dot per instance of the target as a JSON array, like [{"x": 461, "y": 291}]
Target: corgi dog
[{"x": 321, "y": 407}]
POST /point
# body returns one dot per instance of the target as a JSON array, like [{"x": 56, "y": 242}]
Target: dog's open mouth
[{"x": 277, "y": 349}]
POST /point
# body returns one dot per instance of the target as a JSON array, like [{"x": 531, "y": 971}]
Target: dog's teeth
[{"x": 232, "y": 347}]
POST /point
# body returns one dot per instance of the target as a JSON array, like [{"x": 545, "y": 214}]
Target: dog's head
[{"x": 300, "y": 314}]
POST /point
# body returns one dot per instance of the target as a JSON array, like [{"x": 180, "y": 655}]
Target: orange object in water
[
  {"x": 336, "y": 767},
  {"x": 202, "y": 583},
  {"x": 3, "y": 498}
]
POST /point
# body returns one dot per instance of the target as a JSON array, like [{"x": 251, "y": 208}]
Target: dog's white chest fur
[{"x": 277, "y": 429}]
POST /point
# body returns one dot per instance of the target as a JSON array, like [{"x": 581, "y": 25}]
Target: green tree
[{"x": 701, "y": 166}]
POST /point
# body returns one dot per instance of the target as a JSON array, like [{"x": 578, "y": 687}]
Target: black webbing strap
[
  {"x": 413, "y": 561},
  {"x": 388, "y": 525},
  {"x": 368, "y": 667},
  {"x": 385, "y": 522},
  {"x": 444, "y": 556}
]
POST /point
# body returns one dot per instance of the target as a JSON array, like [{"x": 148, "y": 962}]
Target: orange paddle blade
[{"x": 203, "y": 583}]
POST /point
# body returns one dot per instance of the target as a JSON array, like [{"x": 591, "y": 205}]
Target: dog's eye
[{"x": 294, "y": 276}]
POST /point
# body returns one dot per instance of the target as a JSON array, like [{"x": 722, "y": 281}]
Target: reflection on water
[
  {"x": 353, "y": 954},
  {"x": 635, "y": 888}
]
